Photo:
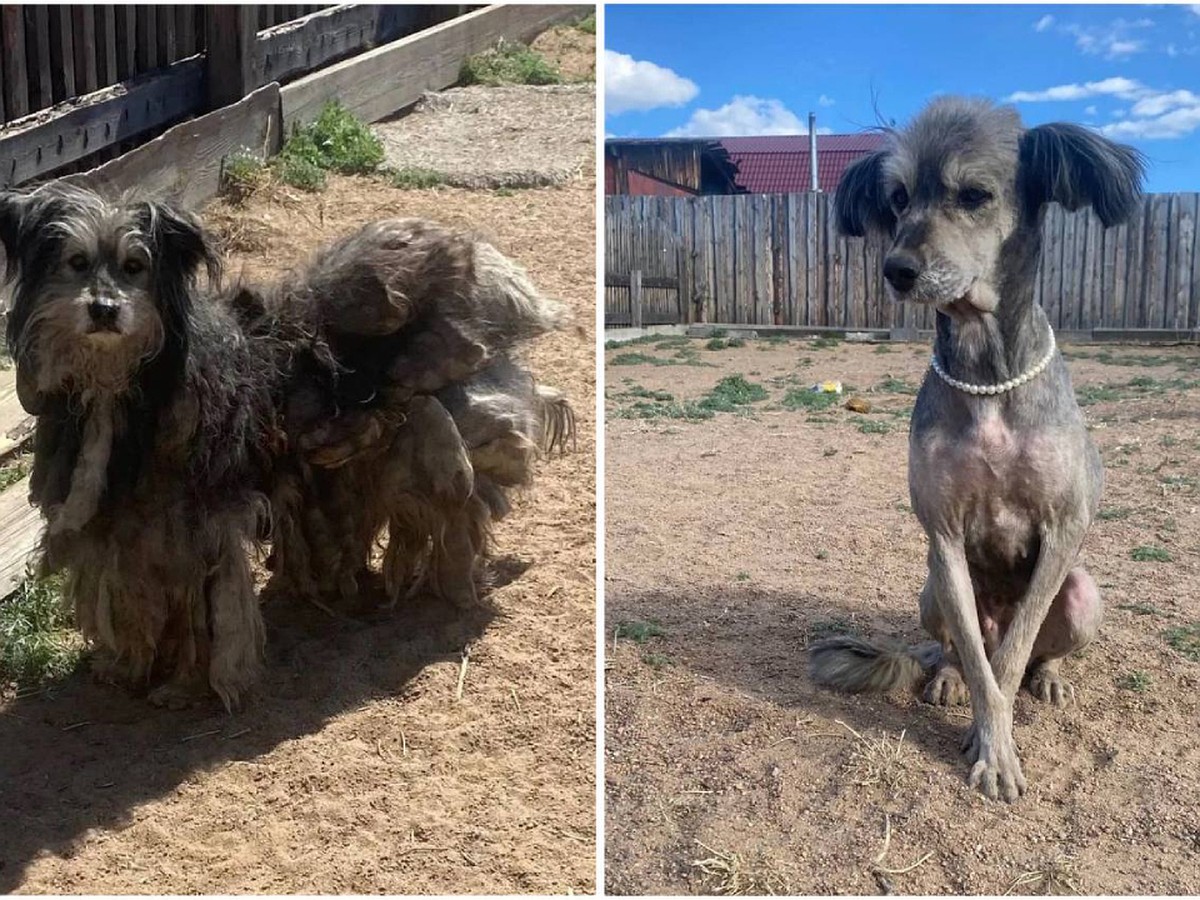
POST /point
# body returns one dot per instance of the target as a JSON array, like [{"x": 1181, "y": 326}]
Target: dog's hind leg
[
  {"x": 1071, "y": 624},
  {"x": 235, "y": 621}
]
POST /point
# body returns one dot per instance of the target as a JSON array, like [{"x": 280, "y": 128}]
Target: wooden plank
[
  {"x": 39, "y": 18},
  {"x": 16, "y": 86},
  {"x": 106, "y": 42},
  {"x": 1110, "y": 285},
  {"x": 230, "y": 32},
  {"x": 15, "y": 424},
  {"x": 743, "y": 232},
  {"x": 1179, "y": 261},
  {"x": 311, "y": 42},
  {"x": 635, "y": 297},
  {"x": 185, "y": 30},
  {"x": 811, "y": 260},
  {"x": 62, "y": 54},
  {"x": 726, "y": 257},
  {"x": 147, "y": 39},
  {"x": 380, "y": 82},
  {"x": 20, "y": 532},
  {"x": 84, "y": 24},
  {"x": 185, "y": 162},
  {"x": 762, "y": 259},
  {"x": 795, "y": 264},
  {"x": 1131, "y": 313},
  {"x": 126, "y": 27},
  {"x": 168, "y": 44},
  {"x": 1154, "y": 287},
  {"x": 65, "y": 133},
  {"x": 835, "y": 276},
  {"x": 1194, "y": 303}
]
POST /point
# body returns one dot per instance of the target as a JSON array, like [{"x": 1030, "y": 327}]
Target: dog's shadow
[
  {"x": 81, "y": 755},
  {"x": 755, "y": 641}
]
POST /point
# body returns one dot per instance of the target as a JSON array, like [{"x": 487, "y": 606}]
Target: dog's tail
[{"x": 857, "y": 665}]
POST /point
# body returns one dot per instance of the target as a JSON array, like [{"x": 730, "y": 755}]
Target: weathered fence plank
[{"x": 778, "y": 260}]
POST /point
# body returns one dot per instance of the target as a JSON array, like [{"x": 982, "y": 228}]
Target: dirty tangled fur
[{"x": 859, "y": 665}]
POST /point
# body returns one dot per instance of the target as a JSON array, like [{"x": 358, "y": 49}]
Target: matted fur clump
[{"x": 370, "y": 396}]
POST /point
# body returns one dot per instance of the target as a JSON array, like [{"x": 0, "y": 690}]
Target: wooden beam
[
  {"x": 230, "y": 31},
  {"x": 55, "y": 137},
  {"x": 20, "y": 531},
  {"x": 382, "y": 81},
  {"x": 185, "y": 163},
  {"x": 615, "y": 279},
  {"x": 310, "y": 42}
]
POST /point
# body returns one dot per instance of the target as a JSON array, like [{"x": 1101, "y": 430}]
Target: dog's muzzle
[{"x": 103, "y": 315}]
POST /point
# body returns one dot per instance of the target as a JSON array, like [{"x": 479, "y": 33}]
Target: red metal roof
[{"x": 779, "y": 164}]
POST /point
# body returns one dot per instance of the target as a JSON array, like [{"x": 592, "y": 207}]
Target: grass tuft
[
  {"x": 416, "y": 178},
  {"x": 1138, "y": 682},
  {"x": 509, "y": 63},
  {"x": 38, "y": 641},
  {"x": 639, "y": 632},
  {"x": 732, "y": 875},
  {"x": 1185, "y": 640},
  {"x": 1148, "y": 553}
]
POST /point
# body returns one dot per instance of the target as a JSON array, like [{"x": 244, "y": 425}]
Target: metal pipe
[{"x": 812, "y": 151}]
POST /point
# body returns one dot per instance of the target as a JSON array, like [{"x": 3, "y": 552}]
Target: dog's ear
[
  {"x": 180, "y": 244},
  {"x": 1078, "y": 168},
  {"x": 859, "y": 203},
  {"x": 12, "y": 213}
]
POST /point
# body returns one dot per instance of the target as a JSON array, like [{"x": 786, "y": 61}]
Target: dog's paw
[
  {"x": 1047, "y": 685},
  {"x": 947, "y": 688},
  {"x": 179, "y": 694},
  {"x": 995, "y": 766}
]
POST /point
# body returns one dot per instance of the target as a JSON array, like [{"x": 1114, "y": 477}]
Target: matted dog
[
  {"x": 179, "y": 424},
  {"x": 1002, "y": 473}
]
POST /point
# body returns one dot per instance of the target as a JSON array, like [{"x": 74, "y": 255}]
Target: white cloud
[
  {"x": 1115, "y": 40},
  {"x": 1153, "y": 115},
  {"x": 1125, "y": 88},
  {"x": 826, "y": 101},
  {"x": 636, "y": 84},
  {"x": 1157, "y": 104},
  {"x": 1175, "y": 124},
  {"x": 1043, "y": 23},
  {"x": 743, "y": 116},
  {"x": 1195, "y": 8}
]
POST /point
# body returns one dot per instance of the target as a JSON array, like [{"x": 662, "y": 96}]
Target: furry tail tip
[{"x": 857, "y": 665}]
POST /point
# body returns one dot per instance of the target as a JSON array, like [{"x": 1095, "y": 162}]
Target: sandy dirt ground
[
  {"x": 519, "y": 136},
  {"x": 734, "y": 541},
  {"x": 353, "y": 768}
]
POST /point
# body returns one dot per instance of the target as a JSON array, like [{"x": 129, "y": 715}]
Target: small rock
[{"x": 858, "y": 405}]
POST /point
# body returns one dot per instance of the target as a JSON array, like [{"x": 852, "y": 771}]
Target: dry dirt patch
[
  {"x": 734, "y": 540},
  {"x": 490, "y": 137},
  {"x": 354, "y": 768}
]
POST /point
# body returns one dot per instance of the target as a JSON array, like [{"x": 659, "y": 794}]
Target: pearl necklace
[{"x": 1003, "y": 388}]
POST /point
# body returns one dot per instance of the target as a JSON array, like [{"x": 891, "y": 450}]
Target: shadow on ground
[{"x": 81, "y": 756}]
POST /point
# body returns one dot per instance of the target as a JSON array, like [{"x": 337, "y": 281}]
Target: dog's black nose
[
  {"x": 104, "y": 314},
  {"x": 901, "y": 271}
]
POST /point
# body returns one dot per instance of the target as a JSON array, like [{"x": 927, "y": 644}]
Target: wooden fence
[
  {"x": 777, "y": 259},
  {"x": 83, "y": 84}
]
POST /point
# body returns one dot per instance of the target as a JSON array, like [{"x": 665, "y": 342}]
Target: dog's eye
[
  {"x": 133, "y": 267},
  {"x": 900, "y": 198},
  {"x": 79, "y": 262},
  {"x": 973, "y": 198}
]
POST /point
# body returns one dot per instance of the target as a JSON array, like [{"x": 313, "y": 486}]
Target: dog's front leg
[
  {"x": 995, "y": 767},
  {"x": 1060, "y": 547}
]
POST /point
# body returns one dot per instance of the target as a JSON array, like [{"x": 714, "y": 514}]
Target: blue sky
[{"x": 1133, "y": 72}]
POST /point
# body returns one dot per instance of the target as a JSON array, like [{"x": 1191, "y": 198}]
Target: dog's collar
[{"x": 1002, "y": 388}]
